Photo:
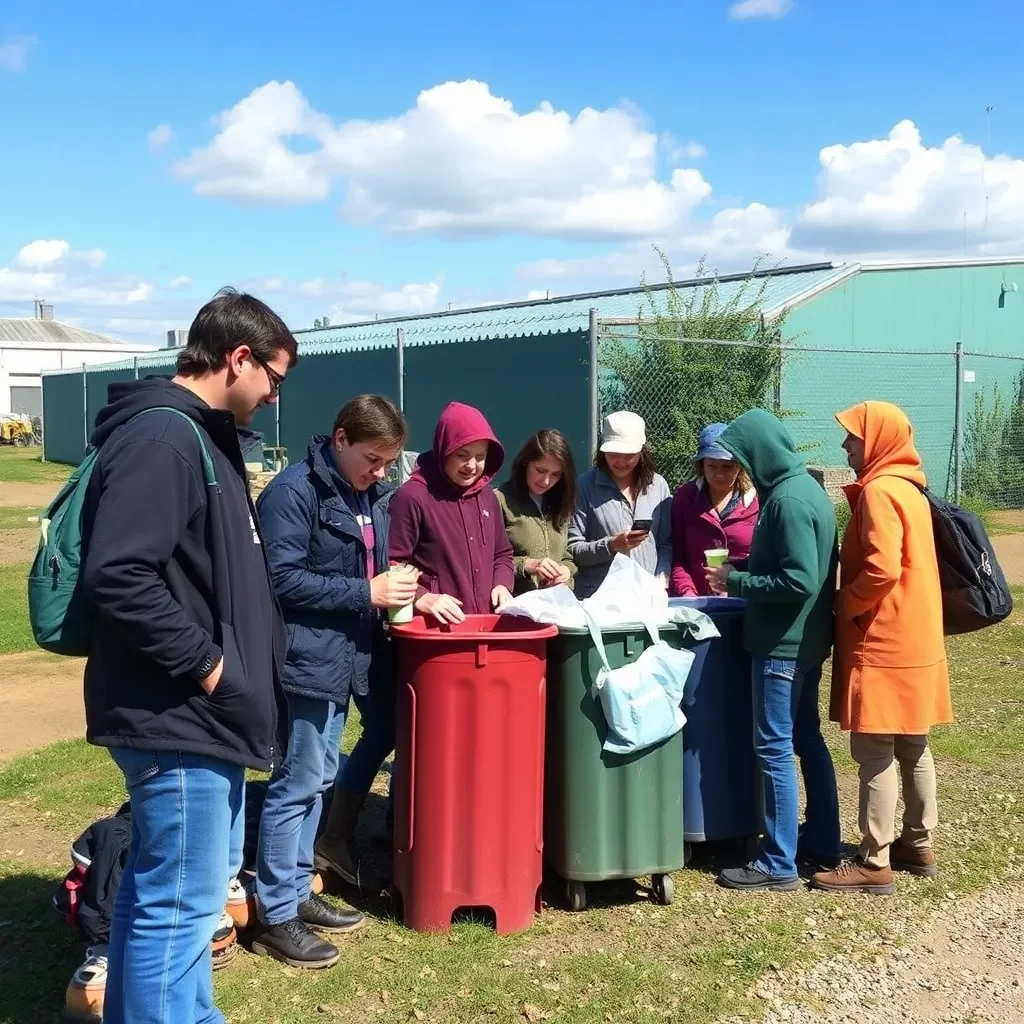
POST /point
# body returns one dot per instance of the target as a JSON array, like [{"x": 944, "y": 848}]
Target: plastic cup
[
  {"x": 405, "y": 613},
  {"x": 716, "y": 556}
]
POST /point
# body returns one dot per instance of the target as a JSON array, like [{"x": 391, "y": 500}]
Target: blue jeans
[
  {"x": 786, "y": 722},
  {"x": 377, "y": 711},
  {"x": 291, "y": 810},
  {"x": 188, "y": 825}
]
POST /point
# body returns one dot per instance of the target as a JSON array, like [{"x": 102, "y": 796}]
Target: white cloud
[
  {"x": 362, "y": 300},
  {"x": 898, "y": 194},
  {"x": 14, "y": 51},
  {"x": 747, "y": 9},
  {"x": 50, "y": 269},
  {"x": 160, "y": 138},
  {"x": 179, "y": 282},
  {"x": 42, "y": 252},
  {"x": 461, "y": 161}
]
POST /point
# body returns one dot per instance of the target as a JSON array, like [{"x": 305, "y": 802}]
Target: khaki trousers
[{"x": 877, "y": 756}]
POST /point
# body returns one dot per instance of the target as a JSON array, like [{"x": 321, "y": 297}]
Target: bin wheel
[
  {"x": 663, "y": 887},
  {"x": 576, "y": 895}
]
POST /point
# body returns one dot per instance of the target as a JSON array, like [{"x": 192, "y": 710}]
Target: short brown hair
[
  {"x": 371, "y": 418},
  {"x": 643, "y": 475},
  {"x": 560, "y": 501}
]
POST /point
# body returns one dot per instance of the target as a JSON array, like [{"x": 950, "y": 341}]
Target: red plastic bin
[{"x": 469, "y": 769}]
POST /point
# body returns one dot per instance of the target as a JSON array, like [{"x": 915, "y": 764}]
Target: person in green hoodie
[{"x": 789, "y": 587}]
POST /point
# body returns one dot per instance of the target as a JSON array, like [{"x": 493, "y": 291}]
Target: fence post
[
  {"x": 595, "y": 401},
  {"x": 777, "y": 385},
  {"x": 400, "y": 349},
  {"x": 958, "y": 423},
  {"x": 135, "y": 366},
  {"x": 42, "y": 415},
  {"x": 85, "y": 410}
]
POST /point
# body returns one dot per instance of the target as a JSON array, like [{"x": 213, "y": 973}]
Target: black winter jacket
[{"x": 177, "y": 575}]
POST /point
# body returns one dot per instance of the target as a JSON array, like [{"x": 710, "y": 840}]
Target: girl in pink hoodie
[{"x": 446, "y": 521}]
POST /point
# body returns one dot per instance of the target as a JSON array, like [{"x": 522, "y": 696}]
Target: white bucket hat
[{"x": 623, "y": 433}]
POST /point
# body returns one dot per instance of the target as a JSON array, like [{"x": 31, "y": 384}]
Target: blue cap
[{"x": 708, "y": 446}]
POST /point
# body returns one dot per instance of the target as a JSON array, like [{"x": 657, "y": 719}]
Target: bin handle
[
  {"x": 411, "y": 781},
  {"x": 541, "y": 730},
  {"x": 481, "y": 655}
]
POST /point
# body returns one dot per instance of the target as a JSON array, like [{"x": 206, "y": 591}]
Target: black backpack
[{"x": 974, "y": 590}]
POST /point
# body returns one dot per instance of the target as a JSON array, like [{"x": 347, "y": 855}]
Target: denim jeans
[
  {"x": 291, "y": 810},
  {"x": 377, "y": 740},
  {"x": 786, "y": 722},
  {"x": 187, "y": 830}
]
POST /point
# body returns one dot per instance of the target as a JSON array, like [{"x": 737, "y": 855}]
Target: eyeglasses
[{"x": 275, "y": 378}]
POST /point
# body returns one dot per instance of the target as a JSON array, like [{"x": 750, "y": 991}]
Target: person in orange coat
[{"x": 890, "y": 681}]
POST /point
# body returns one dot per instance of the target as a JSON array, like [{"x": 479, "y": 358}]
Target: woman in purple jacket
[{"x": 717, "y": 509}]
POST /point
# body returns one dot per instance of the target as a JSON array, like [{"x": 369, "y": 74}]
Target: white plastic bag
[
  {"x": 629, "y": 594},
  {"x": 558, "y": 606},
  {"x": 641, "y": 700}
]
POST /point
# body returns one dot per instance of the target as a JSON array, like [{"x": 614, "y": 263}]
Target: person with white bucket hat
[{"x": 622, "y": 507}]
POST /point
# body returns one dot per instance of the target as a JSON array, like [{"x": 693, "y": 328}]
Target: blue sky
[{"x": 353, "y": 160}]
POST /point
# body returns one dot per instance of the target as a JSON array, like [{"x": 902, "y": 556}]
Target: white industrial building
[{"x": 30, "y": 345}]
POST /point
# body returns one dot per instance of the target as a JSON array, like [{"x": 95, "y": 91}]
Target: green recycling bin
[{"x": 606, "y": 816}]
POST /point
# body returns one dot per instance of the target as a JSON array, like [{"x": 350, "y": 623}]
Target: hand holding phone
[{"x": 641, "y": 526}]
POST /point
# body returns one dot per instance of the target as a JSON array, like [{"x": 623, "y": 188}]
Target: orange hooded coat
[{"x": 889, "y": 669}]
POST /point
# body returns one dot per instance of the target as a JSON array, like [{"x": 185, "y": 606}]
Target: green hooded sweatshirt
[{"x": 790, "y": 581}]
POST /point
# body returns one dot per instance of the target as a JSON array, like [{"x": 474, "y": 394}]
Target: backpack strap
[{"x": 209, "y": 472}]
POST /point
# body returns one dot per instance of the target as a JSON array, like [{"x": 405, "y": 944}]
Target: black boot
[
  {"x": 294, "y": 943},
  {"x": 336, "y": 849},
  {"x": 319, "y": 914}
]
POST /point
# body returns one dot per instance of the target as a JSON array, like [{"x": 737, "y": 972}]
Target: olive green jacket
[{"x": 532, "y": 535}]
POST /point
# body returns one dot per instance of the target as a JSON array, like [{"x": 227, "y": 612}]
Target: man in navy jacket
[
  {"x": 325, "y": 521},
  {"x": 182, "y": 680}
]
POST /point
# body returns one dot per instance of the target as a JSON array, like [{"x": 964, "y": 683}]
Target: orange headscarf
[{"x": 888, "y": 442}]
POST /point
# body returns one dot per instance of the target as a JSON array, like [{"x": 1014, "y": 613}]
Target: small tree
[
  {"x": 679, "y": 387},
  {"x": 321, "y": 321}
]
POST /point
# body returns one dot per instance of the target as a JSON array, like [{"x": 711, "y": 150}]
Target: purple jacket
[
  {"x": 696, "y": 528},
  {"x": 456, "y": 538}
]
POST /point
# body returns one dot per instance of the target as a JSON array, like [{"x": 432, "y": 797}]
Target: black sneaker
[
  {"x": 319, "y": 914},
  {"x": 752, "y": 879},
  {"x": 818, "y": 862},
  {"x": 294, "y": 943}
]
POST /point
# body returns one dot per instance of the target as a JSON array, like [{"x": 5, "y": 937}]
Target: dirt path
[
  {"x": 1010, "y": 552},
  {"x": 14, "y": 494},
  {"x": 966, "y": 967},
  {"x": 41, "y": 696}
]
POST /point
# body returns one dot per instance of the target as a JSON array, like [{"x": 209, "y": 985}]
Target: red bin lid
[{"x": 476, "y": 627}]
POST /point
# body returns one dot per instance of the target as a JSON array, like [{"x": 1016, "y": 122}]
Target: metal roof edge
[
  {"x": 942, "y": 262},
  {"x": 694, "y": 282},
  {"x": 844, "y": 273}
]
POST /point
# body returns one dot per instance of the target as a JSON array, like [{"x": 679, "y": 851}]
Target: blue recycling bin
[{"x": 720, "y": 778}]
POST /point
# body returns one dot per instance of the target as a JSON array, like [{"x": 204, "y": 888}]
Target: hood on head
[
  {"x": 457, "y": 426},
  {"x": 126, "y": 398},
  {"x": 762, "y": 445},
  {"x": 888, "y": 437}
]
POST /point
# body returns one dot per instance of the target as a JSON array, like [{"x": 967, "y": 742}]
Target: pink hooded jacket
[{"x": 454, "y": 536}]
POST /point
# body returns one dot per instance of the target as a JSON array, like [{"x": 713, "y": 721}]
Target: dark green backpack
[{"x": 61, "y": 615}]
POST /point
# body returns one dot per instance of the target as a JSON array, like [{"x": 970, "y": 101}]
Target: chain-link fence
[
  {"x": 993, "y": 431},
  {"x": 681, "y": 384}
]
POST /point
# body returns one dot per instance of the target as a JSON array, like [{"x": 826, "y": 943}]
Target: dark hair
[
  {"x": 559, "y": 502},
  {"x": 643, "y": 475},
  {"x": 371, "y": 418},
  {"x": 230, "y": 319}
]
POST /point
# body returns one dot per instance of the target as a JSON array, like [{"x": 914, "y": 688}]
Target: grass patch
[
  {"x": 18, "y": 518},
  {"x": 624, "y": 959},
  {"x": 15, "y": 632},
  {"x": 24, "y": 465}
]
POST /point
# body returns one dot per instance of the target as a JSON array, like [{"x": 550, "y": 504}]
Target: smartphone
[{"x": 641, "y": 526}]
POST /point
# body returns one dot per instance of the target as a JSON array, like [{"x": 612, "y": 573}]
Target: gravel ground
[{"x": 966, "y": 967}]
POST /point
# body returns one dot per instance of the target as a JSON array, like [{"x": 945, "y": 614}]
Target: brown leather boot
[
  {"x": 916, "y": 860},
  {"x": 855, "y": 876},
  {"x": 337, "y": 852}
]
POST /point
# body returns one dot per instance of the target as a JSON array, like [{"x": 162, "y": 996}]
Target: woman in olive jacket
[{"x": 537, "y": 503}]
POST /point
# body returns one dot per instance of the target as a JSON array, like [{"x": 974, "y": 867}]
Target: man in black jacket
[{"x": 182, "y": 681}]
